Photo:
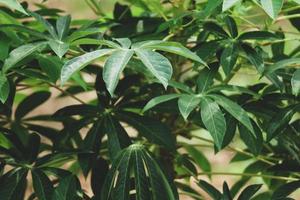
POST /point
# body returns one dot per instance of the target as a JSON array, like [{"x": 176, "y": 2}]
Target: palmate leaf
[
  {"x": 171, "y": 47},
  {"x": 62, "y": 26},
  {"x": 235, "y": 110},
  {"x": 150, "y": 182},
  {"x": 213, "y": 120},
  {"x": 14, "y": 4},
  {"x": 160, "y": 99},
  {"x": 113, "y": 68},
  {"x": 78, "y": 63},
  {"x": 13, "y": 184},
  {"x": 20, "y": 53},
  {"x": 157, "y": 64},
  {"x": 42, "y": 185},
  {"x": 249, "y": 191},
  {"x": 187, "y": 103},
  {"x": 211, "y": 190},
  {"x": 229, "y": 57},
  {"x": 272, "y": 7},
  {"x": 68, "y": 188}
]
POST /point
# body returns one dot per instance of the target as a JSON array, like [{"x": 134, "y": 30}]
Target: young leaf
[
  {"x": 157, "y": 64},
  {"x": 20, "y": 53},
  {"x": 172, "y": 47},
  {"x": 62, "y": 26},
  {"x": 272, "y": 7},
  {"x": 229, "y": 57},
  {"x": 160, "y": 99},
  {"x": 187, "y": 103},
  {"x": 213, "y": 120},
  {"x": 42, "y": 185},
  {"x": 113, "y": 68},
  {"x": 4, "y": 88},
  {"x": 60, "y": 48},
  {"x": 14, "y": 4},
  {"x": 80, "y": 62},
  {"x": 46, "y": 24},
  {"x": 249, "y": 191},
  {"x": 235, "y": 110},
  {"x": 295, "y": 82},
  {"x": 228, "y": 4}
]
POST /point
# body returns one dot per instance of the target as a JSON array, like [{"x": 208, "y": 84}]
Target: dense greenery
[{"x": 167, "y": 86}]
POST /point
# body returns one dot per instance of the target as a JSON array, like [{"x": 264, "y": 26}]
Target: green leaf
[
  {"x": 171, "y": 47},
  {"x": 20, "y": 53},
  {"x": 68, "y": 188},
  {"x": 116, "y": 185},
  {"x": 117, "y": 137},
  {"x": 62, "y": 26},
  {"x": 295, "y": 82},
  {"x": 211, "y": 190},
  {"x": 51, "y": 65},
  {"x": 187, "y": 103},
  {"x": 4, "y": 88},
  {"x": 229, "y": 57},
  {"x": 152, "y": 129},
  {"x": 282, "y": 64},
  {"x": 80, "y": 62},
  {"x": 215, "y": 29},
  {"x": 253, "y": 142},
  {"x": 232, "y": 26},
  {"x": 257, "y": 35},
  {"x": 60, "y": 48},
  {"x": 249, "y": 191},
  {"x": 285, "y": 190},
  {"x": 254, "y": 57},
  {"x": 199, "y": 158},
  {"x": 211, "y": 7},
  {"x": 206, "y": 77},
  {"x": 213, "y": 120},
  {"x": 160, "y": 99},
  {"x": 30, "y": 103},
  {"x": 46, "y": 24},
  {"x": 42, "y": 185},
  {"x": 227, "y": 4},
  {"x": 113, "y": 68},
  {"x": 272, "y": 7},
  {"x": 86, "y": 41},
  {"x": 280, "y": 119},
  {"x": 235, "y": 110},
  {"x": 157, "y": 64},
  {"x": 14, "y": 4},
  {"x": 12, "y": 185}
]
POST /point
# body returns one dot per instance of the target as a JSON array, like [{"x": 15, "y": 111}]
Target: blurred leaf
[
  {"x": 14, "y": 4},
  {"x": 285, "y": 190},
  {"x": 229, "y": 57},
  {"x": 4, "y": 88},
  {"x": 209, "y": 189},
  {"x": 227, "y": 4},
  {"x": 160, "y": 99},
  {"x": 199, "y": 158},
  {"x": 272, "y": 7},
  {"x": 62, "y": 26},
  {"x": 249, "y": 191},
  {"x": 68, "y": 188},
  {"x": 295, "y": 82},
  {"x": 257, "y": 35}
]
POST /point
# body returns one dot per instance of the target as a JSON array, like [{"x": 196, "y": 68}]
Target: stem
[
  {"x": 67, "y": 93},
  {"x": 288, "y": 17}
]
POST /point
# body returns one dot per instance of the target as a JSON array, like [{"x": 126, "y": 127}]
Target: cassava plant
[{"x": 138, "y": 102}]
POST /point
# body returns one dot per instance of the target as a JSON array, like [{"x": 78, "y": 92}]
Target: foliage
[{"x": 167, "y": 82}]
